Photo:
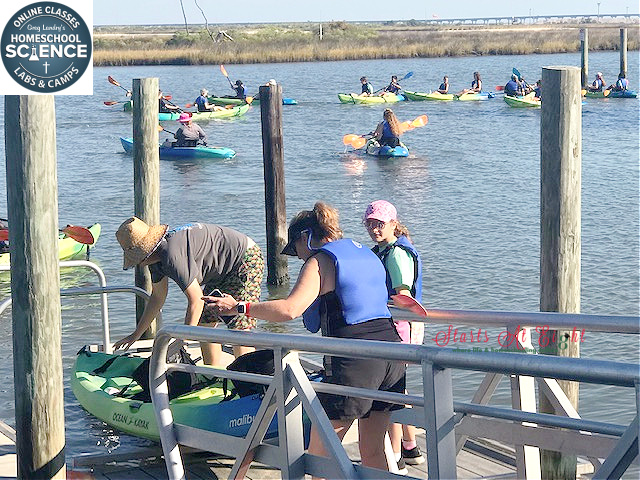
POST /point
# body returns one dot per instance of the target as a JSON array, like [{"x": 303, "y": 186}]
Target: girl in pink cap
[{"x": 404, "y": 276}]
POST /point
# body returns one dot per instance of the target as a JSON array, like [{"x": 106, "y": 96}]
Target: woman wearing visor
[{"x": 340, "y": 291}]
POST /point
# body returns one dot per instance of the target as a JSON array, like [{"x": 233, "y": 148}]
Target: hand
[
  {"x": 126, "y": 342},
  {"x": 222, "y": 305}
]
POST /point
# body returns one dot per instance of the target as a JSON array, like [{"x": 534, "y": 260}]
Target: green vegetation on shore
[{"x": 171, "y": 45}]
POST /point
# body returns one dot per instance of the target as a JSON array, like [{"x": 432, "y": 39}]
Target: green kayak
[
  {"x": 200, "y": 116},
  {"x": 367, "y": 99},
  {"x": 418, "y": 96},
  {"x": 522, "y": 102}
]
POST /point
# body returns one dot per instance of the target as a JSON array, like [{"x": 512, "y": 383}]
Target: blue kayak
[
  {"x": 200, "y": 151},
  {"x": 374, "y": 148}
]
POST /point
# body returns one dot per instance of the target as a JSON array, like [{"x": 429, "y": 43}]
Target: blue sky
[{"x": 142, "y": 12}]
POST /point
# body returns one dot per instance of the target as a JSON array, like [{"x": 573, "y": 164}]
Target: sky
[{"x": 150, "y": 12}]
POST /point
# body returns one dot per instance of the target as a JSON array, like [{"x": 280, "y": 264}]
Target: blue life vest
[
  {"x": 622, "y": 84},
  {"x": 360, "y": 285},
  {"x": 201, "y": 102},
  {"x": 404, "y": 243},
  {"x": 386, "y": 130}
]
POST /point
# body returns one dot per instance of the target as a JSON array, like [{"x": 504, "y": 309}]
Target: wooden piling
[
  {"x": 146, "y": 171},
  {"x": 584, "y": 57},
  {"x": 32, "y": 201},
  {"x": 560, "y": 228},
  {"x": 274, "y": 190},
  {"x": 623, "y": 51}
]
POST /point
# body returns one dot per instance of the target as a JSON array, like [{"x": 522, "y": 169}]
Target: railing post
[
  {"x": 560, "y": 228},
  {"x": 146, "y": 171},
  {"x": 274, "y": 189},
  {"x": 32, "y": 200},
  {"x": 623, "y": 51},
  {"x": 439, "y": 421},
  {"x": 584, "y": 57}
]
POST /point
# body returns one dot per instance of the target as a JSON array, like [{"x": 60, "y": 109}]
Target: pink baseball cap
[{"x": 381, "y": 210}]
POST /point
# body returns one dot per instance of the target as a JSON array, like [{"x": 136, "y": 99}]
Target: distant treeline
[{"x": 341, "y": 41}]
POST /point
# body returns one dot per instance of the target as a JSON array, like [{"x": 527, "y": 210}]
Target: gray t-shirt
[{"x": 198, "y": 251}]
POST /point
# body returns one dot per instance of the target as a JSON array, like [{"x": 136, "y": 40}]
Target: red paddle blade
[
  {"x": 113, "y": 81},
  {"x": 79, "y": 234},
  {"x": 409, "y": 303},
  {"x": 4, "y": 235},
  {"x": 499, "y": 88},
  {"x": 110, "y": 102}
]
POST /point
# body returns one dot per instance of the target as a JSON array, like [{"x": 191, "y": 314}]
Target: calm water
[{"x": 469, "y": 194}]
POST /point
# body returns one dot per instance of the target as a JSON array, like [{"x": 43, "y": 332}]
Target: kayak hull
[
  {"x": 178, "y": 153},
  {"x": 418, "y": 96},
  {"x": 374, "y": 148},
  {"x": 202, "y": 408},
  {"x": 204, "y": 116},
  {"x": 613, "y": 94},
  {"x": 240, "y": 101},
  {"x": 68, "y": 248},
  {"x": 473, "y": 97},
  {"x": 522, "y": 102},
  {"x": 370, "y": 99}
]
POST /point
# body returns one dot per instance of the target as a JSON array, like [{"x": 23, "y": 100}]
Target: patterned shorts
[{"x": 242, "y": 284}]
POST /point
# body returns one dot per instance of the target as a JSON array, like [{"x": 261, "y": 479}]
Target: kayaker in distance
[
  {"x": 367, "y": 88},
  {"x": 394, "y": 86},
  {"x": 202, "y": 102},
  {"x": 476, "y": 85},
  {"x": 598, "y": 84},
  {"x": 388, "y": 130},
  {"x": 351, "y": 304},
  {"x": 538, "y": 90},
  {"x": 240, "y": 90},
  {"x": 165, "y": 106},
  {"x": 444, "y": 86},
  {"x": 196, "y": 256},
  {"x": 404, "y": 277},
  {"x": 621, "y": 84},
  {"x": 513, "y": 88},
  {"x": 189, "y": 134}
]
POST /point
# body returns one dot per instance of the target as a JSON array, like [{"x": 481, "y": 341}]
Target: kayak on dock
[
  {"x": 68, "y": 248},
  {"x": 466, "y": 97},
  {"x": 613, "y": 94},
  {"x": 374, "y": 148},
  {"x": 367, "y": 99},
  {"x": 200, "y": 151},
  {"x": 105, "y": 387},
  {"x": 528, "y": 101},
  {"x": 418, "y": 96},
  {"x": 204, "y": 116}
]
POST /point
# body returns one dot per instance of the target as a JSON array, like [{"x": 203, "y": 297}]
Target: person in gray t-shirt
[{"x": 199, "y": 257}]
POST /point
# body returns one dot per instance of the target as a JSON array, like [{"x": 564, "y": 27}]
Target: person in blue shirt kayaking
[
  {"x": 444, "y": 86},
  {"x": 202, "y": 102},
  {"x": 598, "y": 84},
  {"x": 538, "y": 90},
  {"x": 621, "y": 84},
  {"x": 388, "y": 130},
  {"x": 367, "y": 88},
  {"x": 394, "y": 86},
  {"x": 513, "y": 88}
]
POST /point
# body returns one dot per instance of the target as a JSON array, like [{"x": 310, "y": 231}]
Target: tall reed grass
[{"x": 343, "y": 41}]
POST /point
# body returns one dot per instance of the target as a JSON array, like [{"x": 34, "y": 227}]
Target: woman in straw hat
[
  {"x": 189, "y": 134},
  {"x": 341, "y": 291},
  {"x": 199, "y": 257}
]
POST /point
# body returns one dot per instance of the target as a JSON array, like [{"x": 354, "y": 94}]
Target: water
[{"x": 469, "y": 194}]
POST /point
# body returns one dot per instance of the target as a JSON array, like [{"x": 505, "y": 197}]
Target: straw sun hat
[{"x": 138, "y": 240}]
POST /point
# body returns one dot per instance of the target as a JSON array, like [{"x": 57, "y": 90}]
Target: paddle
[
  {"x": 407, "y": 302},
  {"x": 112, "y": 102},
  {"x": 604, "y": 92},
  {"x": 161, "y": 128},
  {"x": 79, "y": 234},
  {"x": 224, "y": 72},
  {"x": 408, "y": 75},
  {"x": 113, "y": 81},
  {"x": 499, "y": 88}
]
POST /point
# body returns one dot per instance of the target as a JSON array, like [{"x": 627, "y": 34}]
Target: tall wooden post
[
  {"x": 146, "y": 170},
  {"x": 584, "y": 57},
  {"x": 560, "y": 228},
  {"x": 274, "y": 191},
  {"x": 30, "y": 140},
  {"x": 623, "y": 51}
]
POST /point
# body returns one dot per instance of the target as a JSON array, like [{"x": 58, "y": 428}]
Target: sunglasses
[{"x": 372, "y": 224}]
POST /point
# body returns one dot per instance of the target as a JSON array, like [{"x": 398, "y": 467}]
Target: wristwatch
[{"x": 241, "y": 307}]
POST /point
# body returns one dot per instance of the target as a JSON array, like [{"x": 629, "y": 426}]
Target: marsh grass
[{"x": 344, "y": 41}]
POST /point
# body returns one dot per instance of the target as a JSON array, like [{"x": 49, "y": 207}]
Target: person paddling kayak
[
  {"x": 202, "y": 102},
  {"x": 388, "y": 130},
  {"x": 394, "y": 86},
  {"x": 189, "y": 134},
  {"x": 476, "y": 85},
  {"x": 367, "y": 88},
  {"x": 444, "y": 86},
  {"x": 513, "y": 88},
  {"x": 598, "y": 84}
]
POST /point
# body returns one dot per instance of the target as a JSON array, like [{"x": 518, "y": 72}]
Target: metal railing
[{"x": 434, "y": 410}]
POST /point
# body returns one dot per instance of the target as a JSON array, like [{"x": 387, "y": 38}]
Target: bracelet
[{"x": 247, "y": 307}]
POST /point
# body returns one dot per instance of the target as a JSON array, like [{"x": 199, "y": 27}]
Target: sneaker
[
  {"x": 413, "y": 456},
  {"x": 402, "y": 468}
]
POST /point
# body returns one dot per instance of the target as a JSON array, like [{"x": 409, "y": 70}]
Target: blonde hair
[
  {"x": 323, "y": 221},
  {"x": 401, "y": 230},
  {"x": 392, "y": 120}
]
